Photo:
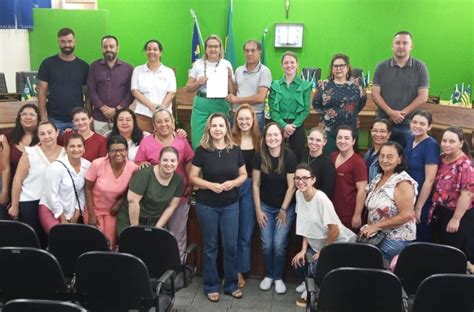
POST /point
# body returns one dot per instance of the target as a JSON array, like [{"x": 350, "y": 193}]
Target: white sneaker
[
  {"x": 266, "y": 283},
  {"x": 301, "y": 287},
  {"x": 280, "y": 287},
  {"x": 304, "y": 294}
]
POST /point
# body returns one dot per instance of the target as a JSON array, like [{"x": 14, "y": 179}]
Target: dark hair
[
  {"x": 47, "y": 122},
  {"x": 256, "y": 42},
  {"x": 18, "y": 132},
  {"x": 109, "y": 37},
  {"x": 266, "y": 165},
  {"x": 424, "y": 114},
  {"x": 403, "y": 32},
  {"x": 289, "y": 53},
  {"x": 346, "y": 127},
  {"x": 66, "y": 31},
  {"x": 348, "y": 64},
  {"x": 137, "y": 134},
  {"x": 171, "y": 149},
  {"x": 73, "y": 136},
  {"x": 79, "y": 110},
  {"x": 400, "y": 167},
  {"x": 305, "y": 166},
  {"x": 384, "y": 121},
  {"x": 116, "y": 139},
  {"x": 460, "y": 134},
  {"x": 160, "y": 46}
]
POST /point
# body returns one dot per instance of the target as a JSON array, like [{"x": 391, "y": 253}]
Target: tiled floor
[{"x": 193, "y": 299}]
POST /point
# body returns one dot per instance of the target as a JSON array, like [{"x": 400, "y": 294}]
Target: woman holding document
[{"x": 213, "y": 79}]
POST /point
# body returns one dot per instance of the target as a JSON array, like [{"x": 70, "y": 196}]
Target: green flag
[{"x": 229, "y": 45}]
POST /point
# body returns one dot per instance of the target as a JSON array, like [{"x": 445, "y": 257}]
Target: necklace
[
  {"x": 219, "y": 151},
  {"x": 311, "y": 160},
  {"x": 205, "y": 67}
]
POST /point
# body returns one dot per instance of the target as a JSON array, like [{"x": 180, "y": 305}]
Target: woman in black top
[
  {"x": 273, "y": 190},
  {"x": 320, "y": 163},
  {"x": 217, "y": 202}
]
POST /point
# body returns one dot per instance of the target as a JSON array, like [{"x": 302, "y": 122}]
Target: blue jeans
[
  {"x": 400, "y": 133},
  {"x": 227, "y": 220},
  {"x": 246, "y": 225},
  {"x": 61, "y": 125},
  {"x": 390, "y": 248},
  {"x": 275, "y": 240}
]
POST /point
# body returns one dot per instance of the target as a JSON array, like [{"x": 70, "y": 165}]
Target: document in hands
[{"x": 217, "y": 83}]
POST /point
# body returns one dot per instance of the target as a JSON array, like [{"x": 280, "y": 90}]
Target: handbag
[
  {"x": 80, "y": 220},
  {"x": 376, "y": 239}
]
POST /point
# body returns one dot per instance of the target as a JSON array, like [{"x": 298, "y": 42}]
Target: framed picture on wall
[{"x": 288, "y": 35}]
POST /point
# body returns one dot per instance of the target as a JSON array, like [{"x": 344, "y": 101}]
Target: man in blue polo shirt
[
  {"x": 400, "y": 86},
  {"x": 62, "y": 80}
]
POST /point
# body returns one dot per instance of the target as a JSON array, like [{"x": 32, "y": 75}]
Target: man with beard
[
  {"x": 400, "y": 86},
  {"x": 61, "y": 81},
  {"x": 108, "y": 85}
]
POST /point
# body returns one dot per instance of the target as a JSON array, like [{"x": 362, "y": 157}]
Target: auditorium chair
[
  {"x": 37, "y": 305},
  {"x": 17, "y": 234}
]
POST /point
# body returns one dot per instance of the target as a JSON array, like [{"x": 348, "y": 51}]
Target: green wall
[{"x": 443, "y": 31}]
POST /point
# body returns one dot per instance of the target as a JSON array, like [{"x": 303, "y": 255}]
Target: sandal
[
  {"x": 241, "y": 282},
  {"x": 237, "y": 294},
  {"x": 213, "y": 297}
]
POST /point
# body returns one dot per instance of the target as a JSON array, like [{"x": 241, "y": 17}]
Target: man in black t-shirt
[{"x": 62, "y": 79}]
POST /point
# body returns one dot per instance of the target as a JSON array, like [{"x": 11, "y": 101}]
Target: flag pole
[{"x": 193, "y": 14}]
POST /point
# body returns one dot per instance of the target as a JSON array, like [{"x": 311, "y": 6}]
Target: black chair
[
  {"x": 354, "y": 289},
  {"x": 3, "y": 83},
  {"x": 32, "y": 305},
  {"x": 68, "y": 241},
  {"x": 17, "y": 234},
  {"x": 158, "y": 248},
  {"x": 417, "y": 261},
  {"x": 337, "y": 256},
  {"x": 109, "y": 281},
  {"x": 30, "y": 273},
  {"x": 445, "y": 292},
  {"x": 23, "y": 77}
]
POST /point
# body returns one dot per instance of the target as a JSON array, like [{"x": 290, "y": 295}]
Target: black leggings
[
  {"x": 29, "y": 215},
  {"x": 297, "y": 141},
  {"x": 463, "y": 238}
]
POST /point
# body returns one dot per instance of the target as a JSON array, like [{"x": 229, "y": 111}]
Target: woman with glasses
[
  {"x": 273, "y": 190},
  {"x": 289, "y": 102},
  {"x": 153, "y": 85},
  {"x": 218, "y": 170},
  {"x": 319, "y": 162},
  {"x": 125, "y": 125},
  {"x": 13, "y": 143},
  {"x": 422, "y": 157},
  {"x": 316, "y": 221},
  {"x": 106, "y": 183},
  {"x": 339, "y": 99},
  {"x": 380, "y": 133},
  {"x": 203, "y": 105}
]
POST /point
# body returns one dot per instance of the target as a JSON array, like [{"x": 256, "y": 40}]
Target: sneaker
[
  {"x": 301, "y": 287},
  {"x": 266, "y": 283},
  {"x": 280, "y": 287},
  {"x": 302, "y": 301}
]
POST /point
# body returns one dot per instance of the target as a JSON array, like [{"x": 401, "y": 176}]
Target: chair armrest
[
  {"x": 191, "y": 248},
  {"x": 168, "y": 275}
]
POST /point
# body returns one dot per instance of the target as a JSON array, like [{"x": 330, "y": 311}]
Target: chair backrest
[
  {"x": 30, "y": 273},
  {"x": 37, "y": 305},
  {"x": 3, "y": 84},
  {"x": 112, "y": 281},
  {"x": 340, "y": 255},
  {"x": 313, "y": 73},
  {"x": 23, "y": 77},
  {"x": 354, "y": 289},
  {"x": 68, "y": 241},
  {"x": 417, "y": 261},
  {"x": 445, "y": 292},
  {"x": 17, "y": 234},
  {"x": 158, "y": 248}
]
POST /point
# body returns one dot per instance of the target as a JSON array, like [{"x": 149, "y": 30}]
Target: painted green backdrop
[{"x": 443, "y": 31}]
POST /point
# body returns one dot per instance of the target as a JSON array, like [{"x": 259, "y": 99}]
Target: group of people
[{"x": 136, "y": 168}]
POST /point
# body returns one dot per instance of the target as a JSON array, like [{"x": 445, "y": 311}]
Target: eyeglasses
[
  {"x": 117, "y": 151},
  {"x": 378, "y": 131},
  {"x": 339, "y": 66},
  {"x": 244, "y": 118},
  {"x": 213, "y": 46},
  {"x": 28, "y": 115},
  {"x": 304, "y": 179}
]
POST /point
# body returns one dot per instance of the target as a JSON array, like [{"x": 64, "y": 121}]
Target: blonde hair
[
  {"x": 254, "y": 131},
  {"x": 316, "y": 129},
  {"x": 221, "y": 49},
  {"x": 207, "y": 140}
]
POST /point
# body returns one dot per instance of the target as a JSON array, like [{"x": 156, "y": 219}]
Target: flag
[
  {"x": 195, "y": 45},
  {"x": 456, "y": 95},
  {"x": 229, "y": 39},
  {"x": 262, "y": 56}
]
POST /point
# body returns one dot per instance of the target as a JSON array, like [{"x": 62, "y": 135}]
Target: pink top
[
  {"x": 150, "y": 148},
  {"x": 107, "y": 189}
]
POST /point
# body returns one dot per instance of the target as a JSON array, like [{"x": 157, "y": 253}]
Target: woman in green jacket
[{"x": 289, "y": 103}]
